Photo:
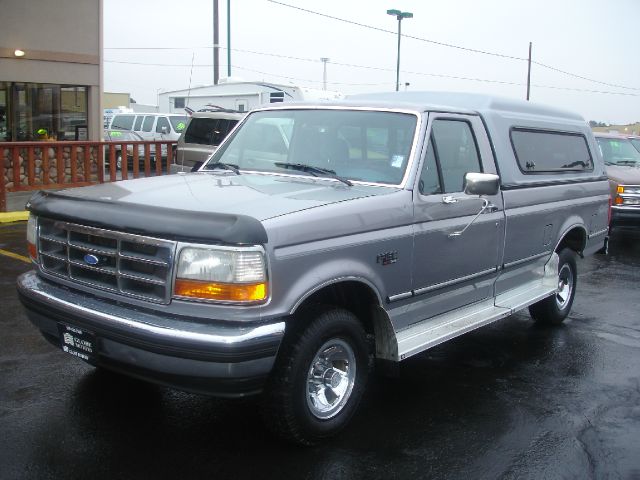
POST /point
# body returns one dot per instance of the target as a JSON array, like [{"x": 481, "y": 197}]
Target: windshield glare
[
  {"x": 369, "y": 146},
  {"x": 618, "y": 151}
]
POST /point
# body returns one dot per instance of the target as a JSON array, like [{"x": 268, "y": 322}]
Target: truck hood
[
  {"x": 260, "y": 196},
  {"x": 202, "y": 206},
  {"x": 624, "y": 175}
]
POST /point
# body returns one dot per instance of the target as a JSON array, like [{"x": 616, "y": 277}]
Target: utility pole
[
  {"x": 324, "y": 60},
  {"x": 216, "y": 44},
  {"x": 529, "y": 74},
  {"x": 228, "y": 38}
]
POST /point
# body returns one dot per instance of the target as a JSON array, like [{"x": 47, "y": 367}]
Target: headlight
[
  {"x": 628, "y": 189},
  {"x": 32, "y": 234},
  {"x": 224, "y": 275},
  {"x": 624, "y": 190}
]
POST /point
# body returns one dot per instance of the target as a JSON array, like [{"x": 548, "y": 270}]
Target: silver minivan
[{"x": 201, "y": 137}]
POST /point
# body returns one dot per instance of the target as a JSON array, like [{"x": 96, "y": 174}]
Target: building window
[
  {"x": 276, "y": 97},
  {"x": 178, "y": 102},
  {"x": 34, "y": 111}
]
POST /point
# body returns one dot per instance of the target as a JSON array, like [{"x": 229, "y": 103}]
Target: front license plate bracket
[{"x": 77, "y": 342}]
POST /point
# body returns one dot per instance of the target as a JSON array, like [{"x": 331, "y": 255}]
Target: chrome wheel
[
  {"x": 331, "y": 378},
  {"x": 565, "y": 286}
]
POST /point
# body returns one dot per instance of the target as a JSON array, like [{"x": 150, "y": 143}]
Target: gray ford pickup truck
[{"x": 319, "y": 241}]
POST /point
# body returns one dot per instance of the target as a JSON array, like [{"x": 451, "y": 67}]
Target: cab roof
[{"x": 454, "y": 102}]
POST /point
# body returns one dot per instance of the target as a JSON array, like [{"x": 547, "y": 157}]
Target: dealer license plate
[{"x": 77, "y": 342}]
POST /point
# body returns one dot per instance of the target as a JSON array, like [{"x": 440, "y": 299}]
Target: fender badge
[{"x": 387, "y": 258}]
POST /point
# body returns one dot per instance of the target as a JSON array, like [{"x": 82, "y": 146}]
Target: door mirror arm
[{"x": 485, "y": 205}]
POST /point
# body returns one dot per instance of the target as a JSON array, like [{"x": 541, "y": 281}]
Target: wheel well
[
  {"x": 575, "y": 239},
  {"x": 357, "y": 297}
]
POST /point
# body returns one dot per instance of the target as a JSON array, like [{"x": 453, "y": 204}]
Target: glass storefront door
[{"x": 34, "y": 111}]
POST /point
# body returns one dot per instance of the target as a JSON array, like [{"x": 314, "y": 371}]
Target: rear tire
[
  {"x": 554, "y": 309},
  {"x": 319, "y": 378}
]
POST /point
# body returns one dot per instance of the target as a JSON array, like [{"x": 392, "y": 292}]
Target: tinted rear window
[
  {"x": 208, "y": 131},
  {"x": 123, "y": 122},
  {"x": 546, "y": 151}
]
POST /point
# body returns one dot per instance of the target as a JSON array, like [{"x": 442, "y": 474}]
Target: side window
[
  {"x": 548, "y": 151},
  {"x": 147, "y": 125},
  {"x": 163, "y": 122},
  {"x": 122, "y": 122},
  {"x": 429, "y": 179},
  {"x": 138, "y": 124},
  {"x": 456, "y": 152}
]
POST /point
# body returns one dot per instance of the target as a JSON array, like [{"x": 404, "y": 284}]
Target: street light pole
[{"x": 399, "y": 15}]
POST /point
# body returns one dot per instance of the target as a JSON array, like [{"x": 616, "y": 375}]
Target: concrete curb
[{"x": 7, "y": 217}]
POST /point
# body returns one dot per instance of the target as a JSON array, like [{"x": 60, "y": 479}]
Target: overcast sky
[{"x": 592, "y": 39}]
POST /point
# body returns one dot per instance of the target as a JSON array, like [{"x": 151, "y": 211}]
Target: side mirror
[
  {"x": 481, "y": 184},
  {"x": 196, "y": 166}
]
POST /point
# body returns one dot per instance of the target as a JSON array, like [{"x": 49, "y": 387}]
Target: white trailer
[{"x": 238, "y": 95}]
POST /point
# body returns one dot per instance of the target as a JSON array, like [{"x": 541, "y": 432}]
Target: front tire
[
  {"x": 554, "y": 309},
  {"x": 319, "y": 378}
]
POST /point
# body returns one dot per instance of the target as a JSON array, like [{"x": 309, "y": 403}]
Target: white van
[
  {"x": 151, "y": 126},
  {"x": 158, "y": 127}
]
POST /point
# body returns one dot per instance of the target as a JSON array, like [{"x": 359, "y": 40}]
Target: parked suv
[
  {"x": 204, "y": 132},
  {"x": 151, "y": 127},
  {"x": 622, "y": 161},
  {"x": 376, "y": 229}
]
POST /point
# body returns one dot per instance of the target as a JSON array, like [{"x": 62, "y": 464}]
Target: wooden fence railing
[{"x": 27, "y": 166}]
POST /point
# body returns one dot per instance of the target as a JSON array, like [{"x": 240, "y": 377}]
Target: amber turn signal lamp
[
  {"x": 33, "y": 251},
  {"x": 229, "y": 292},
  {"x": 619, "y": 200},
  {"x": 620, "y": 189}
]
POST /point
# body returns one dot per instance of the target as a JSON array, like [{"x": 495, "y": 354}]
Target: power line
[
  {"x": 371, "y": 27},
  {"x": 583, "y": 78},
  {"x": 449, "y": 45},
  {"x": 438, "y": 75},
  {"x": 303, "y": 59}
]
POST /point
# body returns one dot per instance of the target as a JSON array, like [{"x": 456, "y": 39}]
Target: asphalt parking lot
[{"x": 512, "y": 400}]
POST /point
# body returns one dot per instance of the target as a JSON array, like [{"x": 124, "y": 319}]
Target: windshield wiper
[
  {"x": 315, "y": 171},
  {"x": 225, "y": 166},
  {"x": 627, "y": 163}
]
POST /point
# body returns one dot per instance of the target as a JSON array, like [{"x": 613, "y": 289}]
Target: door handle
[{"x": 449, "y": 199}]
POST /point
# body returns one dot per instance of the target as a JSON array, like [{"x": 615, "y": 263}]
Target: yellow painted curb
[
  {"x": 15, "y": 255},
  {"x": 6, "y": 217}
]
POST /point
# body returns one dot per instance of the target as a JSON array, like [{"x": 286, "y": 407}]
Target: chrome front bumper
[{"x": 206, "y": 357}]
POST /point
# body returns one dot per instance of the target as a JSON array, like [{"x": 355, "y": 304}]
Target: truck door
[{"x": 450, "y": 271}]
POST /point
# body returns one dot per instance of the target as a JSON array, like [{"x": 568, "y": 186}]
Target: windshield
[
  {"x": 369, "y": 146},
  {"x": 178, "y": 122},
  {"x": 618, "y": 151}
]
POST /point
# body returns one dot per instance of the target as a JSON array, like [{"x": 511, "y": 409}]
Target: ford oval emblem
[{"x": 91, "y": 259}]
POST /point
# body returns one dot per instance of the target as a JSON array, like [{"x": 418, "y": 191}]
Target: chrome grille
[{"x": 130, "y": 265}]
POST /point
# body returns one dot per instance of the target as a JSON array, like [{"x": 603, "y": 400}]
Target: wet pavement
[{"x": 511, "y": 400}]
